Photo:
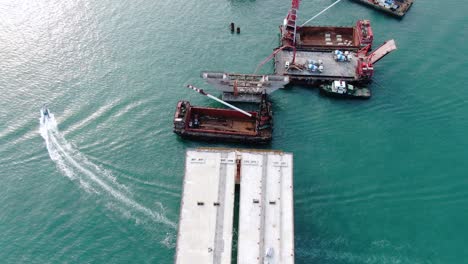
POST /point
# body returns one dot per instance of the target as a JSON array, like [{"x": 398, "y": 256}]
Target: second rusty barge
[
  {"x": 216, "y": 124},
  {"x": 396, "y": 8}
]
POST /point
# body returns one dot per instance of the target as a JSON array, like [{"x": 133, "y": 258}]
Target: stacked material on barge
[
  {"x": 215, "y": 124},
  {"x": 244, "y": 87},
  {"x": 394, "y": 7},
  {"x": 326, "y": 38},
  {"x": 265, "y": 232},
  {"x": 320, "y": 66},
  {"x": 341, "y": 89}
]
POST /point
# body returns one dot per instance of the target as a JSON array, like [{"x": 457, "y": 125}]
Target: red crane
[
  {"x": 290, "y": 24},
  {"x": 366, "y": 61},
  {"x": 288, "y": 34}
]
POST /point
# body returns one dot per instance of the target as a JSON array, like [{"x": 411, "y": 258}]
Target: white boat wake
[{"x": 90, "y": 176}]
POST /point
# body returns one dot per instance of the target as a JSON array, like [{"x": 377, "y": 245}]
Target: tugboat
[
  {"x": 224, "y": 125},
  {"x": 344, "y": 90}
]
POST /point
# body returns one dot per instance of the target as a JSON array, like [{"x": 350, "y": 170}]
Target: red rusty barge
[
  {"x": 215, "y": 124},
  {"x": 314, "y": 55}
]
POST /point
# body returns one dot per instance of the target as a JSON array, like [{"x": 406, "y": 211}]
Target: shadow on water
[{"x": 235, "y": 228}]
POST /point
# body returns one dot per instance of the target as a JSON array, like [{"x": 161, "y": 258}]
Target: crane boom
[
  {"x": 290, "y": 23},
  {"x": 295, "y": 4},
  {"x": 200, "y": 91},
  {"x": 273, "y": 54}
]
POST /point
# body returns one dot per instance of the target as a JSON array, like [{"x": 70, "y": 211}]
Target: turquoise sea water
[{"x": 380, "y": 181}]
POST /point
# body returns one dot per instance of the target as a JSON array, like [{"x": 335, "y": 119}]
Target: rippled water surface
[{"x": 380, "y": 181}]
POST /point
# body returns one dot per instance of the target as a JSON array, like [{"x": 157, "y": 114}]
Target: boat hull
[
  {"x": 224, "y": 125},
  {"x": 213, "y": 137},
  {"x": 362, "y": 94}
]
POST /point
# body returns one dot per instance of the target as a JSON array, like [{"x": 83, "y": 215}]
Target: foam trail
[{"x": 91, "y": 177}]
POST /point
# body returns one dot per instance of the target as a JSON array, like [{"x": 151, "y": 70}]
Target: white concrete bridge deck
[{"x": 266, "y": 217}]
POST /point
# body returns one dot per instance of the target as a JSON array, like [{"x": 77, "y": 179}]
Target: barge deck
[
  {"x": 358, "y": 67},
  {"x": 332, "y": 69},
  {"x": 328, "y": 38},
  {"x": 217, "y": 124}
]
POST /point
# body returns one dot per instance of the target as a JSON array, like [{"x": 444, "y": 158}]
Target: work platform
[
  {"x": 246, "y": 88},
  {"x": 266, "y": 218},
  {"x": 333, "y": 70}
]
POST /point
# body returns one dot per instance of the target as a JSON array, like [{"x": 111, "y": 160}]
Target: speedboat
[{"x": 45, "y": 113}]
